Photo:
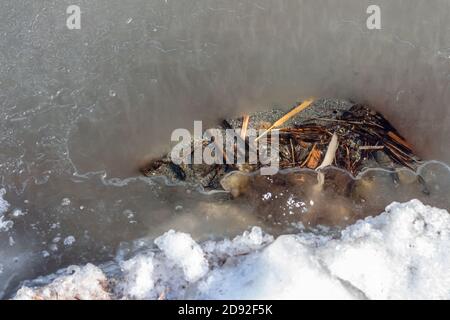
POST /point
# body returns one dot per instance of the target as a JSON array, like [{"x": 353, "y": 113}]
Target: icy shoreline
[{"x": 403, "y": 253}]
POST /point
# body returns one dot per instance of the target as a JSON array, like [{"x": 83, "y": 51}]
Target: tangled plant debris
[{"x": 363, "y": 138}]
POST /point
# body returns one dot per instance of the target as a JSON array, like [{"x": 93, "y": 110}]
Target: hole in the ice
[{"x": 290, "y": 199}]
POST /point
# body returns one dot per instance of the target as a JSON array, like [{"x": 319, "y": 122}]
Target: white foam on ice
[{"x": 402, "y": 254}]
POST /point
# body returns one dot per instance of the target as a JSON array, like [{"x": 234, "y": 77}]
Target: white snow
[
  {"x": 287, "y": 269},
  {"x": 65, "y": 202},
  {"x": 76, "y": 283},
  {"x": 179, "y": 263},
  {"x": 68, "y": 241},
  {"x": 402, "y": 254},
  {"x": 184, "y": 252},
  {"x": 138, "y": 278},
  {"x": 4, "y": 205},
  {"x": 18, "y": 213},
  {"x": 5, "y": 225}
]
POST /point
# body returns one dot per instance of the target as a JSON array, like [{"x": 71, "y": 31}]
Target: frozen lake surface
[{"x": 80, "y": 110}]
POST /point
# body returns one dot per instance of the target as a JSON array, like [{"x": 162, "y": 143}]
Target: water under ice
[{"x": 400, "y": 254}]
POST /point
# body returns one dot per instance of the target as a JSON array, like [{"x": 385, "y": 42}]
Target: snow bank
[
  {"x": 287, "y": 269},
  {"x": 402, "y": 254},
  {"x": 75, "y": 283},
  {"x": 180, "y": 263}
]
